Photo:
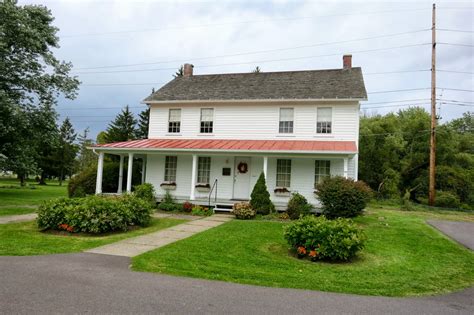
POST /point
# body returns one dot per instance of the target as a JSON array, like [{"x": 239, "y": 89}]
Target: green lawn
[
  {"x": 18, "y": 239},
  {"x": 20, "y": 200},
  {"x": 403, "y": 257}
]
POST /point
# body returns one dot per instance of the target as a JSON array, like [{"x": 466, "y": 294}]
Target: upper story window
[
  {"x": 283, "y": 173},
  {"x": 286, "y": 120},
  {"x": 207, "y": 120},
  {"x": 204, "y": 170},
  {"x": 171, "y": 165},
  {"x": 322, "y": 169},
  {"x": 174, "y": 121},
  {"x": 324, "y": 120}
]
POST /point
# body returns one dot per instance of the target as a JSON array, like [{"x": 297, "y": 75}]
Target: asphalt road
[
  {"x": 462, "y": 232},
  {"x": 92, "y": 283}
]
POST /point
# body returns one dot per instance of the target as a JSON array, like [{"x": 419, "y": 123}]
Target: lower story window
[
  {"x": 283, "y": 173},
  {"x": 204, "y": 170},
  {"x": 322, "y": 169},
  {"x": 171, "y": 165}
]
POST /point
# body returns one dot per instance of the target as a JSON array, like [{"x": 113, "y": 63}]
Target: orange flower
[
  {"x": 313, "y": 253},
  {"x": 301, "y": 250}
]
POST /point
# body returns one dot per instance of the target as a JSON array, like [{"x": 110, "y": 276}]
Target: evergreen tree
[
  {"x": 143, "y": 123},
  {"x": 256, "y": 70},
  {"x": 260, "y": 197},
  {"x": 123, "y": 128},
  {"x": 179, "y": 72},
  {"x": 67, "y": 150}
]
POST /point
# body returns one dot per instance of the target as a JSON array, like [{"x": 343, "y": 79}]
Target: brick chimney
[
  {"x": 188, "y": 70},
  {"x": 347, "y": 61}
]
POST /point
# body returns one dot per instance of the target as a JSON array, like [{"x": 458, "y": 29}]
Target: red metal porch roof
[{"x": 236, "y": 145}]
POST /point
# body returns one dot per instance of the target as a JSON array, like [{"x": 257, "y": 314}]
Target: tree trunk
[
  {"x": 42, "y": 179},
  {"x": 22, "y": 180},
  {"x": 61, "y": 177}
]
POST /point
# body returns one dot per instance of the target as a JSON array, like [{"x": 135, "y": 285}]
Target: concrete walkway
[
  {"x": 17, "y": 218},
  {"x": 138, "y": 245},
  {"x": 462, "y": 232}
]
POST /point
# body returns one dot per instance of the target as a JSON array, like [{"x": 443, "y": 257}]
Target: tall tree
[
  {"x": 143, "y": 124},
  {"x": 30, "y": 75},
  {"x": 256, "y": 70},
  {"x": 179, "y": 72},
  {"x": 123, "y": 127},
  {"x": 86, "y": 157},
  {"x": 66, "y": 151}
]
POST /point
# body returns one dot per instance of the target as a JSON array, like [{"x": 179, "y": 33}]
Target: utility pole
[{"x": 432, "y": 191}]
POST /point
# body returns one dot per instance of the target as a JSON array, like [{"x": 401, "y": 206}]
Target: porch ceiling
[{"x": 231, "y": 145}]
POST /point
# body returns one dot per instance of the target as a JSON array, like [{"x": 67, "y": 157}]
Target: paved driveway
[
  {"x": 462, "y": 232},
  {"x": 91, "y": 283}
]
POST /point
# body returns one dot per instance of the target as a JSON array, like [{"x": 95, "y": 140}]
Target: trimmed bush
[
  {"x": 168, "y": 203},
  {"x": 343, "y": 197},
  {"x": 83, "y": 183},
  {"x": 318, "y": 238},
  {"x": 297, "y": 206},
  {"x": 260, "y": 197},
  {"x": 94, "y": 214},
  {"x": 447, "y": 199},
  {"x": 243, "y": 211},
  {"x": 146, "y": 192}
]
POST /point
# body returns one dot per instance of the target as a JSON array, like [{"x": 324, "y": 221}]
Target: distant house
[{"x": 219, "y": 132}]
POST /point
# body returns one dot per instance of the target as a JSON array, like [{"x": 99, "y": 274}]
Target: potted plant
[
  {"x": 203, "y": 187},
  {"x": 282, "y": 192},
  {"x": 168, "y": 185}
]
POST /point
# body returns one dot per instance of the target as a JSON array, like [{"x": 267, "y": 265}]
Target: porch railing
[{"x": 213, "y": 188}]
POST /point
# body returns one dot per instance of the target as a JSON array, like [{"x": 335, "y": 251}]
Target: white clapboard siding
[{"x": 256, "y": 121}]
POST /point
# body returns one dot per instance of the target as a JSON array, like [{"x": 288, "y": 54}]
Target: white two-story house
[{"x": 211, "y": 136}]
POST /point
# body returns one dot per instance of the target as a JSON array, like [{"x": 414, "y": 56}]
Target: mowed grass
[
  {"x": 15, "y": 199},
  {"x": 403, "y": 257},
  {"x": 21, "y": 239}
]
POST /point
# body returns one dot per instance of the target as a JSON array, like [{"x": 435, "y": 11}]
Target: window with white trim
[
  {"x": 283, "y": 173},
  {"x": 204, "y": 170},
  {"x": 207, "y": 120},
  {"x": 324, "y": 120},
  {"x": 174, "y": 120},
  {"x": 171, "y": 165},
  {"x": 286, "y": 120},
  {"x": 322, "y": 169}
]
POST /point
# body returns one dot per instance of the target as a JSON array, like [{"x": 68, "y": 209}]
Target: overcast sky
[{"x": 159, "y": 36}]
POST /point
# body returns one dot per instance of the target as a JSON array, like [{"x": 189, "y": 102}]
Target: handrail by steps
[{"x": 214, "y": 186}]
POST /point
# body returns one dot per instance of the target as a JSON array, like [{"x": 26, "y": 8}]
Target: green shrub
[
  {"x": 260, "y": 197},
  {"x": 146, "y": 192},
  {"x": 168, "y": 203},
  {"x": 320, "y": 238},
  {"x": 297, "y": 206},
  {"x": 343, "y": 197},
  {"x": 243, "y": 211},
  {"x": 84, "y": 182},
  {"x": 447, "y": 199},
  {"x": 201, "y": 211},
  {"x": 94, "y": 214}
]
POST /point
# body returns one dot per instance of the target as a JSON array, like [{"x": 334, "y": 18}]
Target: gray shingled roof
[{"x": 315, "y": 84}]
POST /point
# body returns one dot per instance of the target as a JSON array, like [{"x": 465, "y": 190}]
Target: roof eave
[{"x": 283, "y": 100}]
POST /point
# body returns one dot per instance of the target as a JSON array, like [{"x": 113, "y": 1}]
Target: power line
[
  {"x": 453, "y": 71},
  {"x": 399, "y": 101},
  {"x": 451, "y": 30},
  {"x": 394, "y": 91},
  {"x": 123, "y": 84},
  {"x": 401, "y": 71},
  {"x": 456, "y": 44},
  {"x": 255, "y": 52},
  {"x": 460, "y": 90},
  {"x": 237, "y": 23},
  {"x": 454, "y": 101},
  {"x": 256, "y": 62}
]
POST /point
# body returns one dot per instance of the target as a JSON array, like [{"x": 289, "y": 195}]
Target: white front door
[{"x": 242, "y": 178}]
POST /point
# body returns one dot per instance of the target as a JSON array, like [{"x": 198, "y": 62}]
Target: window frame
[
  {"x": 331, "y": 122},
  {"x": 318, "y": 175},
  {"x": 206, "y": 126},
  {"x": 175, "y": 125},
  {"x": 290, "y": 124},
  {"x": 287, "y": 174},
  {"x": 171, "y": 168},
  {"x": 204, "y": 161}
]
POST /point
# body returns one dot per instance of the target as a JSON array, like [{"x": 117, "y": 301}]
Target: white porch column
[
  {"x": 143, "y": 169},
  {"x": 129, "y": 172},
  {"x": 100, "y": 169},
  {"x": 119, "y": 190},
  {"x": 193, "y": 177},
  {"x": 346, "y": 167},
  {"x": 265, "y": 166}
]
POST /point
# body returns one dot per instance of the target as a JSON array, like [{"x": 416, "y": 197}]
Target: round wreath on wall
[{"x": 243, "y": 167}]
